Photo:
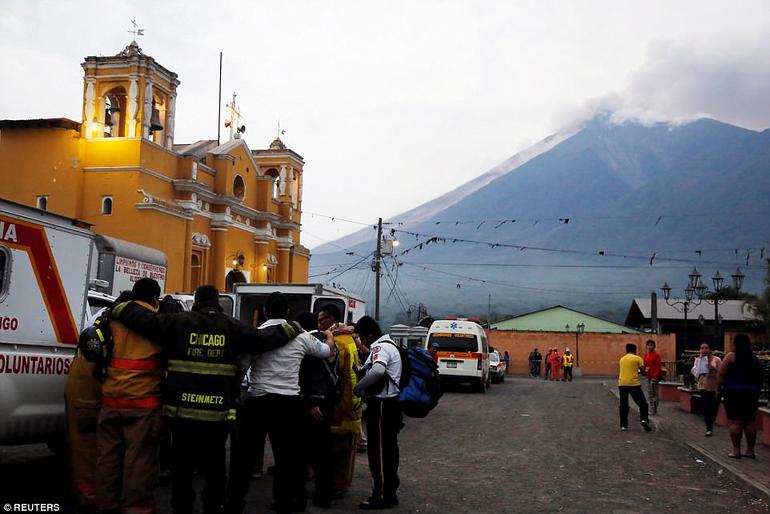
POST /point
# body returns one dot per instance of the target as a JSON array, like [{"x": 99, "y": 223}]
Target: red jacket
[{"x": 653, "y": 365}]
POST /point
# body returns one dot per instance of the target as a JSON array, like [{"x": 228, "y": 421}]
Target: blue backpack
[{"x": 420, "y": 384}]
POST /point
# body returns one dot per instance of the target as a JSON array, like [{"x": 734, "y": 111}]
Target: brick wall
[{"x": 598, "y": 353}]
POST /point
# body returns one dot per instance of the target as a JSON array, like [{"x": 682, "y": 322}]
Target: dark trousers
[
  {"x": 282, "y": 418},
  {"x": 568, "y": 373},
  {"x": 200, "y": 443},
  {"x": 636, "y": 393},
  {"x": 320, "y": 454},
  {"x": 383, "y": 423},
  {"x": 710, "y": 405},
  {"x": 547, "y": 371}
]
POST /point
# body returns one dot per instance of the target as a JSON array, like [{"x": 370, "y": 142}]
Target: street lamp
[
  {"x": 697, "y": 289},
  {"x": 688, "y": 302},
  {"x": 718, "y": 282},
  {"x": 579, "y": 329}
]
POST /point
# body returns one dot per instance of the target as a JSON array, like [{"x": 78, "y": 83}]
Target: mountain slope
[
  {"x": 671, "y": 195},
  {"x": 429, "y": 209}
]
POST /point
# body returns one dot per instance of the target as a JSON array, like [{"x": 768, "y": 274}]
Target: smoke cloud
[{"x": 725, "y": 80}]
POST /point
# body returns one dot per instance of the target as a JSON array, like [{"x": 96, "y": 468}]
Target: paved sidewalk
[{"x": 689, "y": 430}]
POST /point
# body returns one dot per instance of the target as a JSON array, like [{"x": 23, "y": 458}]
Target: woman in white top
[{"x": 706, "y": 370}]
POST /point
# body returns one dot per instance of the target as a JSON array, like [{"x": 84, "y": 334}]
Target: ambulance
[
  {"x": 462, "y": 350},
  {"x": 49, "y": 267}
]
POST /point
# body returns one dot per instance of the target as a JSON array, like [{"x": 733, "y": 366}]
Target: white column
[
  {"x": 169, "y": 128},
  {"x": 133, "y": 106}
]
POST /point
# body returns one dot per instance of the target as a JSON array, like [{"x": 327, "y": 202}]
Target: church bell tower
[{"x": 129, "y": 95}]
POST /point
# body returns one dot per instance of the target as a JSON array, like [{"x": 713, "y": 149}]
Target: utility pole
[{"x": 377, "y": 261}]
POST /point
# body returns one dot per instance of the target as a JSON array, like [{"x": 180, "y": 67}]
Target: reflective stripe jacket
[
  {"x": 347, "y": 413},
  {"x": 567, "y": 358},
  {"x": 202, "y": 348},
  {"x": 135, "y": 371}
]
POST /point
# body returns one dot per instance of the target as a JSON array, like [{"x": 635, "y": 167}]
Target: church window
[
  {"x": 273, "y": 173},
  {"x": 107, "y": 205},
  {"x": 239, "y": 188},
  {"x": 42, "y": 203}
]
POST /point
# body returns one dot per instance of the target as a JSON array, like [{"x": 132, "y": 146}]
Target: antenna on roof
[{"x": 279, "y": 132}]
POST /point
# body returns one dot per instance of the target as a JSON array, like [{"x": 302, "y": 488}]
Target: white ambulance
[
  {"x": 48, "y": 264},
  {"x": 462, "y": 351}
]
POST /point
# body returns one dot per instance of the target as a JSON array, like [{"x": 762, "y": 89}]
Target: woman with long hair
[
  {"x": 706, "y": 371},
  {"x": 740, "y": 379}
]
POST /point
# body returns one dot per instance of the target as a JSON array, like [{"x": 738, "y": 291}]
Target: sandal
[{"x": 734, "y": 456}]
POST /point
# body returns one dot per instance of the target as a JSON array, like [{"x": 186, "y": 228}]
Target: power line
[
  {"x": 523, "y": 287},
  {"x": 432, "y": 239}
]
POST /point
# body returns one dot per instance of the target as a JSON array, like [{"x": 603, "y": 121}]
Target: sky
[{"x": 393, "y": 103}]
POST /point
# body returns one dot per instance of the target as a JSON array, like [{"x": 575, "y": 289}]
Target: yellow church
[{"x": 221, "y": 213}]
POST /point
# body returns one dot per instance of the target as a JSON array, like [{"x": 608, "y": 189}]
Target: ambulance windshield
[{"x": 451, "y": 342}]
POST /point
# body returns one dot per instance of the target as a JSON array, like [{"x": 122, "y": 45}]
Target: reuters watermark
[{"x": 31, "y": 507}]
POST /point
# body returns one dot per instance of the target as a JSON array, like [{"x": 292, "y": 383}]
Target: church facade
[{"x": 221, "y": 213}]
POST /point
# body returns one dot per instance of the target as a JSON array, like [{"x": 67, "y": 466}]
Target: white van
[{"x": 462, "y": 351}]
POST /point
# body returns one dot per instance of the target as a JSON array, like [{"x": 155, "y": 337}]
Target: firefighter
[
  {"x": 568, "y": 359},
  {"x": 82, "y": 400},
  {"x": 129, "y": 429},
  {"x": 556, "y": 362},
  {"x": 346, "y": 421},
  {"x": 203, "y": 348}
]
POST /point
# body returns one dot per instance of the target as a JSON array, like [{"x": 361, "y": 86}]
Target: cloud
[{"x": 715, "y": 78}]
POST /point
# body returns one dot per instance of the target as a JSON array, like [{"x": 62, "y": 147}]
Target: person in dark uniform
[
  {"x": 202, "y": 348},
  {"x": 320, "y": 386},
  {"x": 384, "y": 420}
]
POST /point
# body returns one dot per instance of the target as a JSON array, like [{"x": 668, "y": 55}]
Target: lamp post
[
  {"x": 717, "y": 281},
  {"x": 689, "y": 295},
  {"x": 694, "y": 295},
  {"x": 579, "y": 329}
]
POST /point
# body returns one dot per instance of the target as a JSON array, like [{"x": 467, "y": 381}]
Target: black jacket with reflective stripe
[{"x": 202, "y": 348}]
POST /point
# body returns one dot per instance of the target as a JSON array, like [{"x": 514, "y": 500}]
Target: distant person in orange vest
[
  {"x": 556, "y": 362},
  {"x": 130, "y": 421},
  {"x": 548, "y": 364},
  {"x": 568, "y": 360}
]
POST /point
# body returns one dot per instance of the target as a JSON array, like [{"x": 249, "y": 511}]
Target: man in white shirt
[
  {"x": 384, "y": 420},
  {"x": 274, "y": 402}
]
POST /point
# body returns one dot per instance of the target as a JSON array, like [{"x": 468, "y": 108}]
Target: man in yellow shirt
[{"x": 629, "y": 385}]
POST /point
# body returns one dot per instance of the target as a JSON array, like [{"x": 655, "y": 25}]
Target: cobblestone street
[{"x": 525, "y": 446}]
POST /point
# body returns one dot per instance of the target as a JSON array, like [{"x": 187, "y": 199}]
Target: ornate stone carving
[
  {"x": 147, "y": 112},
  {"x": 201, "y": 239},
  {"x": 90, "y": 111},
  {"x": 133, "y": 105},
  {"x": 282, "y": 183}
]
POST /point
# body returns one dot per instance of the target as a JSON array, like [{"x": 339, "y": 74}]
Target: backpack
[
  {"x": 96, "y": 345},
  {"x": 420, "y": 384}
]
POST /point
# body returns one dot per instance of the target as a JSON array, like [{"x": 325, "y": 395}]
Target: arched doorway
[{"x": 234, "y": 277}]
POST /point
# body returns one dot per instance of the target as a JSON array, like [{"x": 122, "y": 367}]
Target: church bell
[{"x": 155, "y": 119}]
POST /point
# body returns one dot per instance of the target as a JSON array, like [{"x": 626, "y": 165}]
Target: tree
[{"x": 760, "y": 305}]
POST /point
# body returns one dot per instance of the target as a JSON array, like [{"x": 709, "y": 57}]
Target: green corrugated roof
[{"x": 556, "y": 318}]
